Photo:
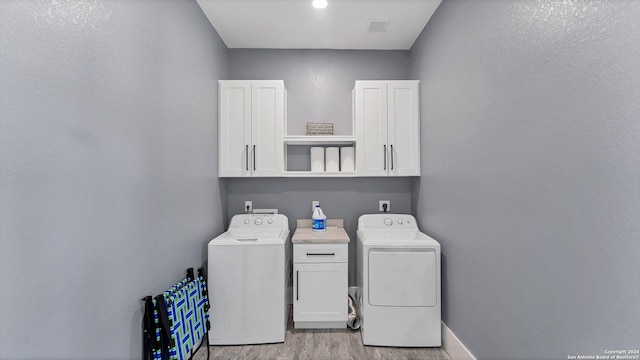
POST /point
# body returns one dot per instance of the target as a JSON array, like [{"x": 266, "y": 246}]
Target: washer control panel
[
  {"x": 258, "y": 221},
  {"x": 387, "y": 221}
]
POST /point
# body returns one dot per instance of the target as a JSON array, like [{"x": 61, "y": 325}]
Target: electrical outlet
[
  {"x": 313, "y": 204},
  {"x": 248, "y": 206},
  {"x": 382, "y": 203}
]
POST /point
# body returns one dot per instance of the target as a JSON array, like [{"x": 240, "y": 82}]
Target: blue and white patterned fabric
[
  {"x": 157, "y": 352},
  {"x": 179, "y": 320},
  {"x": 187, "y": 315},
  {"x": 188, "y": 318}
]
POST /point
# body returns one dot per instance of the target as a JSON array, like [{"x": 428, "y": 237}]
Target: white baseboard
[{"x": 453, "y": 346}]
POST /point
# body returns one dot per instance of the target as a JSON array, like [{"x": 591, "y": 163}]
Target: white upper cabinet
[
  {"x": 387, "y": 120},
  {"x": 251, "y": 119},
  {"x": 371, "y": 128},
  {"x": 403, "y": 127}
]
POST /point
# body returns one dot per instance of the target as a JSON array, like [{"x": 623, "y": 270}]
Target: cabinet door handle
[
  {"x": 321, "y": 254},
  {"x": 254, "y": 158},
  {"x": 297, "y": 286},
  {"x": 391, "y": 157},
  {"x": 385, "y": 157},
  {"x": 246, "y": 155}
]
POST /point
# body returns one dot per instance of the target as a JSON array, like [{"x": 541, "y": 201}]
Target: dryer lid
[{"x": 396, "y": 238}]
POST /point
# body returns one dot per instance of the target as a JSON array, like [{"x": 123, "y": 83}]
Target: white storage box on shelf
[
  {"x": 317, "y": 159},
  {"x": 347, "y": 159}
]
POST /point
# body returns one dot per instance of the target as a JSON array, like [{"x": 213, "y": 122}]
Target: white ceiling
[{"x": 295, "y": 24}]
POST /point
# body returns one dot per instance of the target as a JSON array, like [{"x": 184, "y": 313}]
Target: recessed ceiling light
[{"x": 319, "y": 4}]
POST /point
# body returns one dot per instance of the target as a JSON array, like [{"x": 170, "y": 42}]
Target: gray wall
[
  {"x": 319, "y": 84},
  {"x": 108, "y": 173},
  {"x": 530, "y": 153}
]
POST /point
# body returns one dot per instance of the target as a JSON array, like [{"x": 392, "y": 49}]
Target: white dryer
[
  {"x": 248, "y": 272},
  {"x": 399, "y": 274}
]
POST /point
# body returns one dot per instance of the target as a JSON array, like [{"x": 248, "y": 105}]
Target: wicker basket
[{"x": 319, "y": 128}]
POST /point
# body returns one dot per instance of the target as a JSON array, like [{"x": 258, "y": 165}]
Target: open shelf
[
  {"x": 319, "y": 140},
  {"x": 298, "y": 159},
  {"x": 318, "y": 174}
]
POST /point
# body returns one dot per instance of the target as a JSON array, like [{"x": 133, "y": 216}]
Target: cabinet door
[
  {"x": 371, "y": 125},
  {"x": 234, "y": 132},
  {"x": 320, "y": 292},
  {"x": 403, "y": 138},
  {"x": 268, "y": 109}
]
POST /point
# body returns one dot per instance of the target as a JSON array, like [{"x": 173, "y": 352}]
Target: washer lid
[
  {"x": 254, "y": 233},
  {"x": 251, "y": 237},
  {"x": 403, "y": 277}
]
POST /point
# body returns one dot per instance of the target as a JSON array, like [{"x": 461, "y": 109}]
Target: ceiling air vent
[{"x": 376, "y": 26}]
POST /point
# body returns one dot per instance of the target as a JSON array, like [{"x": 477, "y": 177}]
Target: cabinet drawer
[{"x": 320, "y": 253}]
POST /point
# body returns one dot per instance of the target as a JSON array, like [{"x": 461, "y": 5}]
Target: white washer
[
  {"x": 399, "y": 273},
  {"x": 248, "y": 270}
]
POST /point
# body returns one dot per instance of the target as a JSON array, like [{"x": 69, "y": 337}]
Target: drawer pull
[
  {"x": 247, "y": 239},
  {"x": 321, "y": 254}
]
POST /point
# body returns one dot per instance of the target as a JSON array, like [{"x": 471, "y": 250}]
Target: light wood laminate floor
[{"x": 320, "y": 344}]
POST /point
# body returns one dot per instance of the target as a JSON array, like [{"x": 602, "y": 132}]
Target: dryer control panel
[{"x": 387, "y": 221}]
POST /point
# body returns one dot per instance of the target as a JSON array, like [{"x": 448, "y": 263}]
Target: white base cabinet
[
  {"x": 320, "y": 285},
  {"x": 321, "y": 295}
]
